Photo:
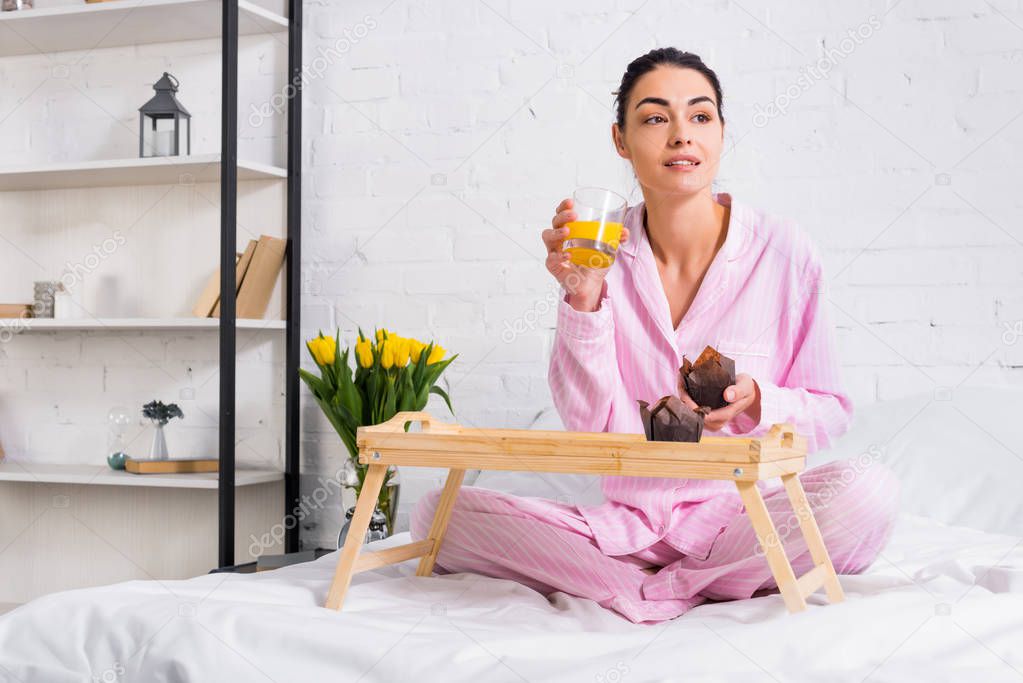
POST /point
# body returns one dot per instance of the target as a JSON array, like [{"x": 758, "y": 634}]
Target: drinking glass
[{"x": 594, "y": 235}]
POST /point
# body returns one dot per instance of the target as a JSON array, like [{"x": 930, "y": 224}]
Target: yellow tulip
[
  {"x": 386, "y": 356},
  {"x": 415, "y": 349},
  {"x": 400, "y": 350},
  {"x": 323, "y": 349},
  {"x": 380, "y": 334},
  {"x": 364, "y": 353},
  {"x": 436, "y": 354}
]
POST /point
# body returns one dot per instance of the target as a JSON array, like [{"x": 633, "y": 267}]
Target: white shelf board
[
  {"x": 44, "y": 324},
  {"x": 125, "y": 22},
  {"x": 186, "y": 170},
  {"x": 101, "y": 475}
]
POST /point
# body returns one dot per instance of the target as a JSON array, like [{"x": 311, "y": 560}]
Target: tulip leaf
[
  {"x": 316, "y": 385},
  {"x": 407, "y": 394},
  {"x": 440, "y": 392}
]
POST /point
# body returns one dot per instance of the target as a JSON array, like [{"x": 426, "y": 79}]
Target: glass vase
[{"x": 384, "y": 516}]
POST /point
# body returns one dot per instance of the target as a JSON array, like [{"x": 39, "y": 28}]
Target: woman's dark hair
[{"x": 664, "y": 55}]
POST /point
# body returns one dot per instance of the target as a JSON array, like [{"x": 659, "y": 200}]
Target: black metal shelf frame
[{"x": 293, "y": 278}]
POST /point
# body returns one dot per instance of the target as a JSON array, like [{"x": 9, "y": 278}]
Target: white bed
[{"x": 944, "y": 602}]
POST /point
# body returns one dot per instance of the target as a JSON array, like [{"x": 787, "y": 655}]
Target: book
[
  {"x": 239, "y": 274},
  {"x": 210, "y": 296},
  {"x": 15, "y": 310},
  {"x": 173, "y": 466},
  {"x": 260, "y": 277}
]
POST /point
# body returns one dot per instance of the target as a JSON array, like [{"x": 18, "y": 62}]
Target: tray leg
[
  {"x": 773, "y": 549},
  {"x": 356, "y": 535},
  {"x": 440, "y": 519},
  {"x": 814, "y": 540}
]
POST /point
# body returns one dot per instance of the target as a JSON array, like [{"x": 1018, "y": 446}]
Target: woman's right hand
[{"x": 582, "y": 283}]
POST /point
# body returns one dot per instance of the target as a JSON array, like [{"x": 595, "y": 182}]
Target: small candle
[
  {"x": 163, "y": 143},
  {"x": 62, "y": 306}
]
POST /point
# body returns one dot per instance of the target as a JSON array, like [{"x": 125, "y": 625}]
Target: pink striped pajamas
[{"x": 759, "y": 303}]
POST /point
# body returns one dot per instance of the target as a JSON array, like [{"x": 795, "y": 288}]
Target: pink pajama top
[{"x": 761, "y": 304}]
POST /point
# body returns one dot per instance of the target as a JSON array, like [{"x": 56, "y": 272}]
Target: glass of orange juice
[{"x": 594, "y": 235}]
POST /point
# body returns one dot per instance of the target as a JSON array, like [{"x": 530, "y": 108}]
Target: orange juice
[{"x": 593, "y": 243}]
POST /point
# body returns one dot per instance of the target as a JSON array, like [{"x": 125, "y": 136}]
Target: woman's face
[{"x": 671, "y": 112}]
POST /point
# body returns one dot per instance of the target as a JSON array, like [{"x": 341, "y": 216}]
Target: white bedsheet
[{"x": 944, "y": 603}]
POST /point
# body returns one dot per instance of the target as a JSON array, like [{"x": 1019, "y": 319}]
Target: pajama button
[{"x": 660, "y": 529}]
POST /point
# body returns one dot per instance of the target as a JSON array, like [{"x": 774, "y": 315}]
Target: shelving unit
[
  {"x": 135, "y": 22},
  {"x": 196, "y": 168},
  {"x": 155, "y": 324},
  {"x": 101, "y": 475},
  {"x": 129, "y": 22}
]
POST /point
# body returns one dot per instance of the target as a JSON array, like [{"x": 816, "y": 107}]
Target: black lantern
[{"x": 164, "y": 125}]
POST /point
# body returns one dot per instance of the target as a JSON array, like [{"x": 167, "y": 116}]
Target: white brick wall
[
  {"x": 442, "y": 135},
  {"x": 480, "y": 100}
]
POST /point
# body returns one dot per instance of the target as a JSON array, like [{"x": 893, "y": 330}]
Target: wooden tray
[{"x": 779, "y": 453}]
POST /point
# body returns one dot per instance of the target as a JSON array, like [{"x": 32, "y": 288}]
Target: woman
[{"x": 694, "y": 268}]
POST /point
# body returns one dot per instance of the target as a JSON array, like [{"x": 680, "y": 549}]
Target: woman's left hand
[{"x": 742, "y": 397}]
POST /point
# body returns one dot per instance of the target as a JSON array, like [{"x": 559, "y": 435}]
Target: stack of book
[
  {"x": 256, "y": 273},
  {"x": 15, "y": 310},
  {"x": 171, "y": 466}
]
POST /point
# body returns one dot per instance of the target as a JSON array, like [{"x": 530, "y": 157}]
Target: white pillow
[
  {"x": 575, "y": 489},
  {"x": 958, "y": 453}
]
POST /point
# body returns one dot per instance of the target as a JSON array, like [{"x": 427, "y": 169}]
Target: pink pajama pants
[{"x": 549, "y": 547}]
